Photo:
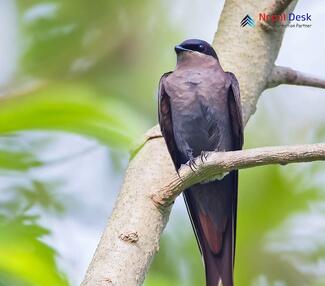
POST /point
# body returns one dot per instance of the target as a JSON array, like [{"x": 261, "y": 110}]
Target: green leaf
[
  {"x": 24, "y": 255},
  {"x": 72, "y": 107},
  {"x": 17, "y": 161}
]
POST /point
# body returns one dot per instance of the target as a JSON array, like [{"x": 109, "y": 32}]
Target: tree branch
[
  {"x": 119, "y": 261},
  {"x": 277, "y": 7},
  {"x": 252, "y": 58},
  {"x": 218, "y": 163},
  {"x": 285, "y": 75}
]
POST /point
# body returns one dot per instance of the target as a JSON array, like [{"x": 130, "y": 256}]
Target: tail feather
[
  {"x": 219, "y": 267},
  {"x": 212, "y": 208}
]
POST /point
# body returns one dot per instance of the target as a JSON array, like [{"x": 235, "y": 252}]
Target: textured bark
[
  {"x": 285, "y": 75},
  {"x": 250, "y": 53},
  {"x": 276, "y": 7},
  {"x": 131, "y": 237},
  {"x": 218, "y": 163}
]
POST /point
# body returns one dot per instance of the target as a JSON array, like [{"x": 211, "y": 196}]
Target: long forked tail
[{"x": 212, "y": 208}]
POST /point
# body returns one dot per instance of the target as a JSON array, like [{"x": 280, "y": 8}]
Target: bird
[{"x": 199, "y": 111}]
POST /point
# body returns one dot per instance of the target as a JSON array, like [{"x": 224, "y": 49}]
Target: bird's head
[{"x": 195, "y": 45}]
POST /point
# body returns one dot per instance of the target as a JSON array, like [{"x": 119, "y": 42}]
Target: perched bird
[{"x": 199, "y": 110}]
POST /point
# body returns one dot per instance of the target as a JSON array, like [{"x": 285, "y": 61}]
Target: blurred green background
[{"x": 78, "y": 88}]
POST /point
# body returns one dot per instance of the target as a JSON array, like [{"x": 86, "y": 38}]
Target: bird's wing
[
  {"x": 237, "y": 124},
  {"x": 236, "y": 112},
  {"x": 165, "y": 121}
]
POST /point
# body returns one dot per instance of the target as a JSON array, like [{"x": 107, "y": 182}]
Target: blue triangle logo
[{"x": 247, "y": 20}]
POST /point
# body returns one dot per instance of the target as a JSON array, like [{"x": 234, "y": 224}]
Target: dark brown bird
[{"x": 199, "y": 110}]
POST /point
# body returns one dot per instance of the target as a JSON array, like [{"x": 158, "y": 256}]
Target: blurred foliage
[
  {"x": 92, "y": 68},
  {"x": 24, "y": 258},
  {"x": 89, "y": 68},
  {"x": 119, "y": 47},
  {"x": 264, "y": 204},
  {"x": 17, "y": 161},
  {"x": 71, "y": 107}
]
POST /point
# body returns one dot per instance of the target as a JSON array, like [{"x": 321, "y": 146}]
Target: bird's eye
[{"x": 201, "y": 47}]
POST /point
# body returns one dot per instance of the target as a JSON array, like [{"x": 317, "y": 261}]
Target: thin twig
[
  {"x": 223, "y": 162},
  {"x": 285, "y": 75}
]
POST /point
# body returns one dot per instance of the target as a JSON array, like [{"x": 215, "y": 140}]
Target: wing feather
[
  {"x": 237, "y": 124},
  {"x": 165, "y": 121},
  {"x": 236, "y": 112}
]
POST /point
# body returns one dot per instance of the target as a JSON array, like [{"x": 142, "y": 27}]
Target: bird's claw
[
  {"x": 192, "y": 164},
  {"x": 204, "y": 155},
  {"x": 179, "y": 176}
]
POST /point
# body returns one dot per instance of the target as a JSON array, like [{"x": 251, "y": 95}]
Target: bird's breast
[
  {"x": 188, "y": 86},
  {"x": 198, "y": 100}
]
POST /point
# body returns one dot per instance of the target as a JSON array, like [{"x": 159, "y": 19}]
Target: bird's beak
[{"x": 179, "y": 49}]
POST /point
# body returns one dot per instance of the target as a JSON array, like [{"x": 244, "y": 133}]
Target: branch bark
[
  {"x": 119, "y": 261},
  {"x": 277, "y": 7},
  {"x": 217, "y": 163},
  {"x": 250, "y": 55},
  {"x": 286, "y": 75}
]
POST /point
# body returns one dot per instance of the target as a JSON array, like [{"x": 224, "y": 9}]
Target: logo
[
  {"x": 288, "y": 20},
  {"x": 247, "y": 20},
  {"x": 282, "y": 18}
]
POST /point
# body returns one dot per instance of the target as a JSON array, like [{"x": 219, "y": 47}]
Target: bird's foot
[
  {"x": 179, "y": 175},
  {"x": 204, "y": 156},
  {"x": 192, "y": 164}
]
